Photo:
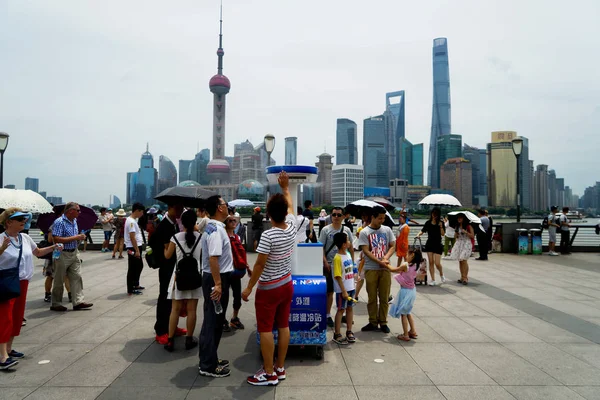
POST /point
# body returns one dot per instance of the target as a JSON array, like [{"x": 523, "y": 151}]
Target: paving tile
[
  {"x": 475, "y": 393},
  {"x": 53, "y": 329},
  {"x": 588, "y": 392},
  {"x": 397, "y": 392},
  {"x": 66, "y": 393},
  {"x": 426, "y": 333},
  {"x": 504, "y": 366},
  {"x": 96, "y": 331},
  {"x": 543, "y": 393},
  {"x": 575, "y": 308},
  {"x": 132, "y": 307},
  {"x": 445, "y": 365},
  {"x": 140, "y": 330},
  {"x": 136, "y": 393},
  {"x": 462, "y": 308},
  {"x": 497, "y": 308},
  {"x": 284, "y": 392},
  {"x": 359, "y": 360},
  {"x": 500, "y": 331},
  {"x": 589, "y": 353},
  {"x": 453, "y": 329},
  {"x": 100, "y": 366},
  {"x": 543, "y": 330},
  {"x": 15, "y": 393},
  {"x": 241, "y": 391},
  {"x": 428, "y": 308},
  {"x": 556, "y": 363},
  {"x": 533, "y": 294}
]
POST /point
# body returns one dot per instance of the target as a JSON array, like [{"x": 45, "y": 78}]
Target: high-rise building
[
  {"x": 43, "y": 194},
  {"x": 142, "y": 185},
  {"x": 440, "y": 116},
  {"x": 184, "y": 170},
  {"x": 456, "y": 175},
  {"x": 115, "y": 202},
  {"x": 502, "y": 170},
  {"x": 417, "y": 164},
  {"x": 55, "y": 200},
  {"x": 323, "y": 190},
  {"x": 375, "y": 158},
  {"x": 483, "y": 177},
  {"x": 291, "y": 150},
  {"x": 218, "y": 169},
  {"x": 411, "y": 166},
  {"x": 394, "y": 130},
  {"x": 540, "y": 189},
  {"x": 560, "y": 192},
  {"x": 347, "y": 184},
  {"x": 398, "y": 191},
  {"x": 525, "y": 175},
  {"x": 552, "y": 197},
  {"x": 10, "y": 187},
  {"x": 346, "y": 150},
  {"x": 247, "y": 163},
  {"x": 167, "y": 174},
  {"x": 32, "y": 184},
  {"x": 472, "y": 155},
  {"x": 448, "y": 146}
]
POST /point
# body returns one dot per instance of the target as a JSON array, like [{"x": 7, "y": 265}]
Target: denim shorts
[
  {"x": 107, "y": 235},
  {"x": 342, "y": 303}
]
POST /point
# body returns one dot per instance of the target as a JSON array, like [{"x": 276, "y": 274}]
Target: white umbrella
[
  {"x": 27, "y": 200},
  {"x": 473, "y": 219},
  {"x": 440, "y": 200},
  {"x": 240, "y": 203}
]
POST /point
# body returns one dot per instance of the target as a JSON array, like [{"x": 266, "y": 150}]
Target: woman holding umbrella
[
  {"x": 434, "y": 227},
  {"x": 462, "y": 249}
]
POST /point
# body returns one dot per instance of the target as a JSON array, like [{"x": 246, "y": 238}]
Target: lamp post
[
  {"x": 269, "y": 142},
  {"x": 3, "y": 144},
  {"x": 517, "y": 147}
]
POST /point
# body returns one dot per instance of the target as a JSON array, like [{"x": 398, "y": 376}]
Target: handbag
[
  {"x": 44, "y": 243},
  {"x": 10, "y": 286}
]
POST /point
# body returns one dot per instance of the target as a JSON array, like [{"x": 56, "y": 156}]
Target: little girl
[{"x": 407, "y": 293}]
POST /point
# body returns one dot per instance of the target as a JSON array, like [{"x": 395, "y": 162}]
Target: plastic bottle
[
  {"x": 149, "y": 250},
  {"x": 56, "y": 253},
  {"x": 217, "y": 304}
]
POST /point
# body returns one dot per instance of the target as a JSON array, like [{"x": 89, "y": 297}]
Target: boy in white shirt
[{"x": 343, "y": 286}]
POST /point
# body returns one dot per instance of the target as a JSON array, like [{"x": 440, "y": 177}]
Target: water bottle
[
  {"x": 217, "y": 304},
  {"x": 149, "y": 251},
  {"x": 56, "y": 253}
]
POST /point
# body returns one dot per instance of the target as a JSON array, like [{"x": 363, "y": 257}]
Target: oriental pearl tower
[{"x": 218, "y": 169}]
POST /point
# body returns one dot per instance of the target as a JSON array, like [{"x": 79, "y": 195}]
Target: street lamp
[
  {"x": 269, "y": 143},
  {"x": 517, "y": 146},
  {"x": 3, "y": 144}
]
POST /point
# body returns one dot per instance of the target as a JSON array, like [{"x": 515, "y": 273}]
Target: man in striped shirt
[
  {"x": 66, "y": 231},
  {"x": 273, "y": 273}
]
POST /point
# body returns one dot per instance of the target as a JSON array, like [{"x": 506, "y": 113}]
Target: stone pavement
[{"x": 525, "y": 328}]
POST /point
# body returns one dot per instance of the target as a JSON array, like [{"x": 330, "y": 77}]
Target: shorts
[
  {"x": 273, "y": 307},
  {"x": 257, "y": 233},
  {"x": 107, "y": 235},
  {"x": 48, "y": 268},
  {"x": 328, "y": 279},
  {"x": 434, "y": 247},
  {"x": 552, "y": 235},
  {"x": 342, "y": 303}
]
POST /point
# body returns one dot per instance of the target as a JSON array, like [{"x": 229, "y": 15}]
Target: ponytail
[{"x": 188, "y": 220}]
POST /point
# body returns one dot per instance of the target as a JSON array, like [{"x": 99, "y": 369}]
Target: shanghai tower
[
  {"x": 440, "y": 118},
  {"x": 218, "y": 170}
]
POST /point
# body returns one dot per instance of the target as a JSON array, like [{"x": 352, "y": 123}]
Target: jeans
[
  {"x": 134, "y": 270},
  {"x": 163, "y": 305},
  {"x": 448, "y": 244},
  {"x": 378, "y": 284},
  {"x": 212, "y": 325},
  {"x": 565, "y": 242}
]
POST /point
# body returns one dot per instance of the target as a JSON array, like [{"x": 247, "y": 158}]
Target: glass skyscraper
[
  {"x": 167, "y": 174},
  {"x": 448, "y": 146},
  {"x": 395, "y": 130},
  {"x": 375, "y": 155},
  {"x": 142, "y": 185},
  {"x": 502, "y": 170},
  {"x": 411, "y": 167},
  {"x": 291, "y": 150},
  {"x": 346, "y": 150},
  {"x": 32, "y": 184},
  {"x": 417, "y": 164},
  {"x": 440, "y": 117}
]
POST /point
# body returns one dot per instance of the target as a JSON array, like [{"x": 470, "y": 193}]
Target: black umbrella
[
  {"x": 188, "y": 196},
  {"x": 360, "y": 207}
]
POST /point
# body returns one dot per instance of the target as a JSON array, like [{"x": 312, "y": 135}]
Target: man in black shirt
[
  {"x": 159, "y": 242},
  {"x": 310, "y": 231}
]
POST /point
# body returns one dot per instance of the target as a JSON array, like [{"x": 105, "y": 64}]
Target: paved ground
[{"x": 526, "y": 328}]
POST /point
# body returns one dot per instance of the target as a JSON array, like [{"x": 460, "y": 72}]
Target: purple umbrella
[{"x": 86, "y": 219}]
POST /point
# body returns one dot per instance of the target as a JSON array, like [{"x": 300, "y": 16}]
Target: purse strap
[{"x": 20, "y": 251}]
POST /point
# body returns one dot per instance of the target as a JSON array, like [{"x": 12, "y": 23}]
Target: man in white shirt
[
  {"x": 133, "y": 242},
  {"x": 217, "y": 266},
  {"x": 106, "y": 220}
]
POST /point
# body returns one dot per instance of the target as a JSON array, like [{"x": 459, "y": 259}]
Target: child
[
  {"x": 407, "y": 293},
  {"x": 343, "y": 285}
]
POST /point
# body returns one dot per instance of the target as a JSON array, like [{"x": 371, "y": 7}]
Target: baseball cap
[{"x": 256, "y": 208}]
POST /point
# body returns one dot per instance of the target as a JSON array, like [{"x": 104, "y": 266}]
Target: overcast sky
[{"x": 84, "y": 85}]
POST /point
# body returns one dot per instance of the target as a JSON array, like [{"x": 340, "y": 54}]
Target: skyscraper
[
  {"x": 32, "y": 184},
  {"x": 346, "y": 150},
  {"x": 502, "y": 170},
  {"x": 525, "y": 175},
  {"x": 552, "y": 189},
  {"x": 411, "y": 156},
  {"x": 247, "y": 163},
  {"x": 291, "y": 150},
  {"x": 167, "y": 174},
  {"x": 456, "y": 175},
  {"x": 394, "y": 130},
  {"x": 347, "y": 184},
  {"x": 417, "y": 164},
  {"x": 218, "y": 168},
  {"x": 471, "y": 154},
  {"x": 323, "y": 190},
  {"x": 448, "y": 146},
  {"x": 540, "y": 189},
  {"x": 142, "y": 185},
  {"x": 375, "y": 157},
  {"x": 440, "y": 117},
  {"x": 184, "y": 170},
  {"x": 483, "y": 177}
]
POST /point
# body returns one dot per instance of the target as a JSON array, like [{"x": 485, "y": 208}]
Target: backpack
[
  {"x": 545, "y": 223},
  {"x": 187, "y": 276},
  {"x": 240, "y": 265}
]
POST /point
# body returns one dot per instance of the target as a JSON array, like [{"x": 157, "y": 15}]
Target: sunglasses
[
  {"x": 337, "y": 215},
  {"x": 230, "y": 221},
  {"x": 19, "y": 219}
]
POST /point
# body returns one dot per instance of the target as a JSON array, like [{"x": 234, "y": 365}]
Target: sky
[{"x": 85, "y": 85}]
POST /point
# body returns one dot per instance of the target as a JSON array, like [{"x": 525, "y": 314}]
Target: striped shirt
[
  {"x": 278, "y": 244},
  {"x": 65, "y": 228}
]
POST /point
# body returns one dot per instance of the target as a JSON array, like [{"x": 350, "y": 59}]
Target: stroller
[{"x": 421, "y": 278}]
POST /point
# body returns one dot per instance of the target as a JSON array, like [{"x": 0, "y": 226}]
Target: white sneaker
[
  {"x": 553, "y": 253},
  {"x": 432, "y": 283},
  {"x": 443, "y": 279}
]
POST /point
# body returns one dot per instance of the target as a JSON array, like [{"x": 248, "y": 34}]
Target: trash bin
[
  {"x": 536, "y": 241},
  {"x": 522, "y": 241}
]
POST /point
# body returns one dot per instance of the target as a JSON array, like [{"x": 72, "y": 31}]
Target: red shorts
[
  {"x": 273, "y": 307},
  {"x": 11, "y": 314}
]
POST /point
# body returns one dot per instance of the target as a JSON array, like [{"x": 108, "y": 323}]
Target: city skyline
[{"x": 154, "y": 86}]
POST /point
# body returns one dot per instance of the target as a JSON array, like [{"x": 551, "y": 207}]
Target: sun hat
[
  {"x": 121, "y": 213},
  {"x": 152, "y": 210},
  {"x": 109, "y": 209}
]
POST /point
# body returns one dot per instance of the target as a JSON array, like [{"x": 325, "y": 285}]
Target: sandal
[
  {"x": 465, "y": 282},
  {"x": 350, "y": 337},
  {"x": 460, "y": 281},
  {"x": 403, "y": 338},
  {"x": 413, "y": 335},
  {"x": 339, "y": 339}
]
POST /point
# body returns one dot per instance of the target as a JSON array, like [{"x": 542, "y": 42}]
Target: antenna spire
[
  {"x": 220, "y": 51},
  {"x": 147, "y": 147}
]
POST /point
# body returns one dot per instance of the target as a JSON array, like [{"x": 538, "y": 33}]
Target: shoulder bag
[{"x": 10, "y": 287}]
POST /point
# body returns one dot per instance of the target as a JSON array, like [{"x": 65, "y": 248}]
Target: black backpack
[
  {"x": 545, "y": 224},
  {"x": 187, "y": 276}
]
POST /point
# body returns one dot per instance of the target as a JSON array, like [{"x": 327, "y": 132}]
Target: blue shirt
[{"x": 65, "y": 228}]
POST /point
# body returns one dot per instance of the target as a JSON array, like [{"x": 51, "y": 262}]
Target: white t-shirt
[
  {"x": 278, "y": 244},
  {"x": 343, "y": 267},
  {"x": 131, "y": 225},
  {"x": 106, "y": 226},
  {"x": 181, "y": 238},
  {"x": 449, "y": 230},
  {"x": 215, "y": 242},
  {"x": 9, "y": 258},
  {"x": 302, "y": 223}
]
